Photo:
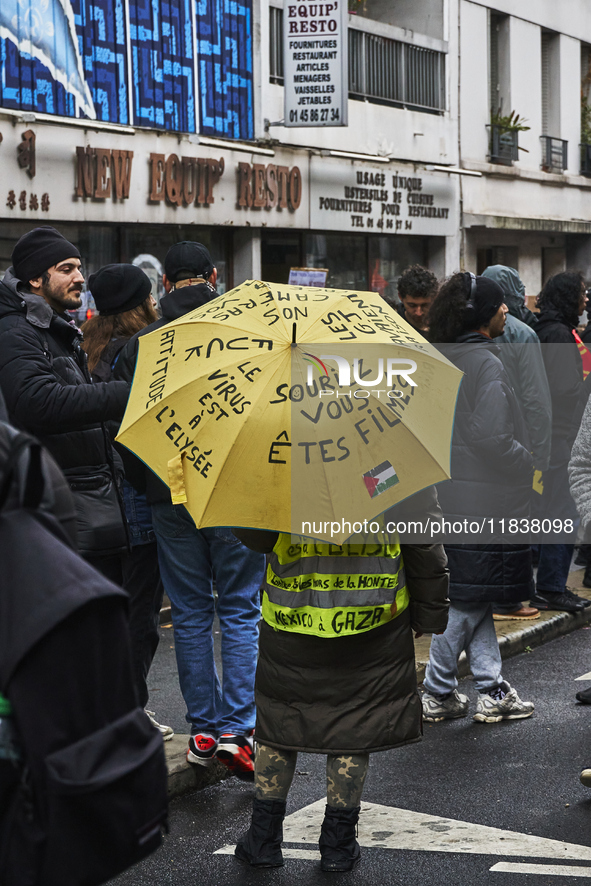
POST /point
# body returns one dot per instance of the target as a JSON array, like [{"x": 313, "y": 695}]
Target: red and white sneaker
[
  {"x": 202, "y": 748},
  {"x": 236, "y": 752}
]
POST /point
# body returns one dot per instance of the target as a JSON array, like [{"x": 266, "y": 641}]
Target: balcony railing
[
  {"x": 381, "y": 70},
  {"x": 554, "y": 154},
  {"x": 585, "y": 159},
  {"x": 504, "y": 146}
]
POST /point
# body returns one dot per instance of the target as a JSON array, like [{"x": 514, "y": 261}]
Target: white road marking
[
  {"x": 549, "y": 870},
  {"x": 386, "y": 827},
  {"x": 584, "y": 677},
  {"x": 310, "y": 854}
]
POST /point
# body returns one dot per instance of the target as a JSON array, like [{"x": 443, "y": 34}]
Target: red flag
[{"x": 584, "y": 352}]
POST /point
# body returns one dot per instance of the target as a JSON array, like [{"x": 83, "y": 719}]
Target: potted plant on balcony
[{"x": 504, "y": 136}]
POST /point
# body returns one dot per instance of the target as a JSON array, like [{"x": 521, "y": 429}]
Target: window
[
  {"x": 381, "y": 70},
  {"x": 554, "y": 149},
  {"x": 276, "y": 45},
  {"x": 550, "y": 85},
  {"x": 498, "y": 67}
]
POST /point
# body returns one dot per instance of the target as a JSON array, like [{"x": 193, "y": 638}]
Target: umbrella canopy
[{"x": 301, "y": 410}]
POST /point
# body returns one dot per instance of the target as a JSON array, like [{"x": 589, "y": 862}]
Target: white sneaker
[
  {"x": 493, "y": 710},
  {"x": 165, "y": 731},
  {"x": 450, "y": 708}
]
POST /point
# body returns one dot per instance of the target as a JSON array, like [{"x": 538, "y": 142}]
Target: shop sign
[
  {"x": 346, "y": 197},
  {"x": 102, "y": 173},
  {"x": 308, "y": 276},
  {"x": 25, "y": 152},
  {"x": 184, "y": 180},
  {"x": 98, "y": 178},
  {"x": 269, "y": 187},
  {"x": 315, "y": 43}
]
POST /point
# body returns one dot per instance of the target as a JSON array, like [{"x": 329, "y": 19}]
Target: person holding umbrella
[
  {"x": 253, "y": 425},
  {"x": 336, "y": 673}
]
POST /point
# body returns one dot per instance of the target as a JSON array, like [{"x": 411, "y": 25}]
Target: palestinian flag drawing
[{"x": 379, "y": 479}]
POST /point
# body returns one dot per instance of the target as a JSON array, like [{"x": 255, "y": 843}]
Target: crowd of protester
[{"x": 521, "y": 428}]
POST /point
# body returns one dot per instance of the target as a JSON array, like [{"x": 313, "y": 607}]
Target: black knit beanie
[
  {"x": 40, "y": 249},
  {"x": 119, "y": 288}
]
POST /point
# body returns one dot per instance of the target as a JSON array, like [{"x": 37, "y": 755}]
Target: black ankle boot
[
  {"x": 338, "y": 847},
  {"x": 261, "y": 844}
]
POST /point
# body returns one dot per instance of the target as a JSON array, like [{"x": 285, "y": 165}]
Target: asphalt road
[{"x": 519, "y": 777}]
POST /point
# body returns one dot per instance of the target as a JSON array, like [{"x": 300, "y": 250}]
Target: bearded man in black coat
[{"x": 49, "y": 392}]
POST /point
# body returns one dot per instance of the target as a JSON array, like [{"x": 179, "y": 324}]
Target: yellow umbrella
[{"x": 297, "y": 409}]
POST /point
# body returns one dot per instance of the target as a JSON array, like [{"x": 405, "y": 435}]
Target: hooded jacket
[
  {"x": 45, "y": 381},
  {"x": 491, "y": 470},
  {"x": 525, "y": 365},
  {"x": 174, "y": 305},
  {"x": 514, "y": 291}
]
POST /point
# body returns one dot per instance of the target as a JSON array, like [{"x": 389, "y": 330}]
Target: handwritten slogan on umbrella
[{"x": 275, "y": 405}]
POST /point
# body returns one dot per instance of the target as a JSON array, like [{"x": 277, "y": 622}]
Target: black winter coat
[
  {"x": 176, "y": 304},
  {"x": 492, "y": 472},
  {"x": 564, "y": 368},
  {"x": 46, "y": 384}
]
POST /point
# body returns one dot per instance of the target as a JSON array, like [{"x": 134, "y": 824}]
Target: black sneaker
[
  {"x": 565, "y": 602},
  {"x": 584, "y": 696},
  {"x": 570, "y": 593},
  {"x": 587, "y": 577}
]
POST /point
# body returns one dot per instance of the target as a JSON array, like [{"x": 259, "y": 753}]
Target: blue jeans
[
  {"x": 553, "y": 568},
  {"x": 189, "y": 558},
  {"x": 470, "y": 628}
]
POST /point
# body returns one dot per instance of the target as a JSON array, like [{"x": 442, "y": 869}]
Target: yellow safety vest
[{"x": 332, "y": 591}]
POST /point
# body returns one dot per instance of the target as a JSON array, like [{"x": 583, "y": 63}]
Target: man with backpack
[
  {"x": 49, "y": 392},
  {"x": 82, "y": 769}
]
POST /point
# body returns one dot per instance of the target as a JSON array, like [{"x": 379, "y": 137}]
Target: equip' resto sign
[{"x": 315, "y": 54}]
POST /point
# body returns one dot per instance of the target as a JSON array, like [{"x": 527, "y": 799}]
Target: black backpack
[{"x": 91, "y": 798}]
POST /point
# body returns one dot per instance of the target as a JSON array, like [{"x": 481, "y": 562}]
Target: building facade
[
  {"x": 130, "y": 125},
  {"x": 525, "y": 125}
]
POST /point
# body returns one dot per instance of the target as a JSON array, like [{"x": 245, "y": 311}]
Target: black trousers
[
  {"x": 141, "y": 580},
  {"x": 137, "y": 572}
]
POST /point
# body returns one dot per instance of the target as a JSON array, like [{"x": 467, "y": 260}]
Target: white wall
[
  {"x": 425, "y": 16},
  {"x": 373, "y": 128},
  {"x": 518, "y": 198},
  {"x": 526, "y": 87},
  {"x": 571, "y": 17},
  {"x": 474, "y": 81}
]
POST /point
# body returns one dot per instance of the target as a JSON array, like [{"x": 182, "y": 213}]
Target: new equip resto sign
[{"x": 315, "y": 63}]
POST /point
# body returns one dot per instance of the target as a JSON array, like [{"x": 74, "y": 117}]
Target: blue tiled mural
[
  {"x": 79, "y": 58},
  {"x": 103, "y": 39},
  {"x": 163, "y": 63},
  {"x": 224, "y": 49}
]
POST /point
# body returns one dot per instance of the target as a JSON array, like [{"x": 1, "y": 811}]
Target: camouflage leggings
[{"x": 345, "y": 776}]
